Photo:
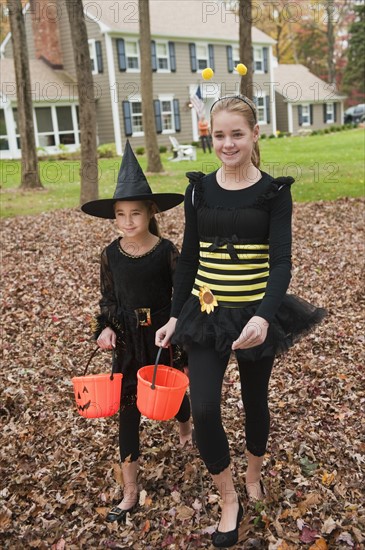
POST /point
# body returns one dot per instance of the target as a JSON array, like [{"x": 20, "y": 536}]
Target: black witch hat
[{"x": 131, "y": 186}]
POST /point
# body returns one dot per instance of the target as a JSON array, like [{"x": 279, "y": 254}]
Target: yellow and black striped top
[{"x": 236, "y": 274}]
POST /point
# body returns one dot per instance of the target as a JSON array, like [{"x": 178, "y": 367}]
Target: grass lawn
[{"x": 326, "y": 167}]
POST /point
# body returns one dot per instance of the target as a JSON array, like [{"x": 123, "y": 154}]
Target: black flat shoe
[
  {"x": 230, "y": 538},
  {"x": 117, "y": 514}
]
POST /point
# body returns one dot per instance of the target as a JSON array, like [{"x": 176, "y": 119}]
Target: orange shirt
[{"x": 203, "y": 127}]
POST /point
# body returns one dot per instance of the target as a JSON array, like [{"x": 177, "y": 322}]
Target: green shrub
[
  {"x": 107, "y": 151},
  {"x": 162, "y": 148},
  {"x": 271, "y": 136},
  {"x": 263, "y": 136},
  {"x": 195, "y": 143},
  {"x": 139, "y": 150},
  {"x": 326, "y": 130}
]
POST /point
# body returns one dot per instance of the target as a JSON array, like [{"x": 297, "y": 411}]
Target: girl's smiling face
[
  {"x": 133, "y": 218},
  {"x": 233, "y": 139}
]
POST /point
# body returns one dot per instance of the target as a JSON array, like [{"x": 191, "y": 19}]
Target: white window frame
[
  {"x": 258, "y": 57},
  {"x": 93, "y": 56},
  {"x": 306, "y": 106},
  {"x": 131, "y": 102},
  {"x": 261, "y": 108},
  {"x": 56, "y": 132},
  {"x": 205, "y": 58},
  {"x": 137, "y": 56},
  {"x": 330, "y": 113},
  {"x": 166, "y": 44},
  {"x": 169, "y": 98}
]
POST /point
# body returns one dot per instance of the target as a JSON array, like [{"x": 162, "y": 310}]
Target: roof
[
  {"x": 189, "y": 19},
  {"x": 297, "y": 84},
  {"x": 47, "y": 84}
]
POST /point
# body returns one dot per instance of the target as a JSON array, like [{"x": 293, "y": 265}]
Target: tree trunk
[
  {"x": 87, "y": 112},
  {"x": 153, "y": 154},
  {"x": 331, "y": 41},
  {"x": 30, "y": 175},
  {"x": 245, "y": 38}
]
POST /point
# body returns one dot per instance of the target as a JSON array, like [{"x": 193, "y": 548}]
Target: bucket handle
[
  {"x": 156, "y": 365},
  {"x": 93, "y": 355}
]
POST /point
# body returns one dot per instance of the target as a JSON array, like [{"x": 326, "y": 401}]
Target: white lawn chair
[{"x": 182, "y": 152}]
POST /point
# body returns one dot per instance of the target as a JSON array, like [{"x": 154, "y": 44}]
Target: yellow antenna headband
[{"x": 208, "y": 73}]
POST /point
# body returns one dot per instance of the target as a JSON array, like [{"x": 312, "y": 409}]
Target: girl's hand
[
  {"x": 253, "y": 334},
  {"x": 164, "y": 334},
  {"x": 107, "y": 339}
]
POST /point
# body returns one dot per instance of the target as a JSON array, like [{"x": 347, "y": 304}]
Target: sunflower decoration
[{"x": 207, "y": 299}]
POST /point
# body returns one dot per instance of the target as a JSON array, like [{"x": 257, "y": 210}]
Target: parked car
[{"x": 355, "y": 114}]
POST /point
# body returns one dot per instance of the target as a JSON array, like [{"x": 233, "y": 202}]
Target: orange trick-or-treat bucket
[
  {"x": 160, "y": 390},
  {"x": 97, "y": 395}
]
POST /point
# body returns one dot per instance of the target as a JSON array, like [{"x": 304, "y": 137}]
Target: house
[
  {"x": 186, "y": 37},
  {"x": 304, "y": 102}
]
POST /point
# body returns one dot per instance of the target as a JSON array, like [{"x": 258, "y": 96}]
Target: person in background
[{"x": 204, "y": 134}]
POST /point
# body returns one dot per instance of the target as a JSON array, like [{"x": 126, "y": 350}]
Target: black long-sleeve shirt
[{"x": 260, "y": 213}]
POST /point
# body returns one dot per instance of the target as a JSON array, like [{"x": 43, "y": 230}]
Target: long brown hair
[
  {"x": 246, "y": 108},
  {"x": 153, "y": 226}
]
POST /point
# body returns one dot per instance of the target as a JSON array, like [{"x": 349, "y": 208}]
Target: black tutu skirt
[{"x": 294, "y": 319}]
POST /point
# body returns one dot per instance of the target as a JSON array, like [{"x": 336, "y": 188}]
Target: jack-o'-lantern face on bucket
[{"x": 81, "y": 400}]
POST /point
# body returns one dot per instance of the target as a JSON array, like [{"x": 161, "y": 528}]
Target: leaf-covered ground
[{"x": 60, "y": 472}]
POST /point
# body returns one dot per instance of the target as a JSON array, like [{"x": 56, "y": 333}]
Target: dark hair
[
  {"x": 243, "y": 106},
  {"x": 153, "y": 226}
]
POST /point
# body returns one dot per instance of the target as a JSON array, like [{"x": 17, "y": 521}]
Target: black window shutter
[
  {"x": 177, "y": 115},
  {"x": 127, "y": 118},
  {"x": 311, "y": 114},
  {"x": 267, "y": 101},
  {"x": 99, "y": 57},
  {"x": 230, "y": 59},
  {"x": 266, "y": 59},
  {"x": 122, "y": 62},
  {"x": 211, "y": 56},
  {"x": 153, "y": 55},
  {"x": 193, "y": 63},
  {"x": 324, "y": 113},
  {"x": 335, "y": 112},
  {"x": 172, "y": 57},
  {"x": 300, "y": 115},
  {"x": 158, "y": 118}
]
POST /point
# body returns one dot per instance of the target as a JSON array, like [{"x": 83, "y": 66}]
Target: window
[
  {"x": 330, "y": 113},
  {"x": 305, "y": 115},
  {"x": 93, "y": 59},
  {"x": 136, "y": 115},
  {"x": 202, "y": 56},
  {"x": 261, "y": 110},
  {"x": 46, "y": 135},
  {"x": 16, "y": 124},
  {"x": 131, "y": 50},
  {"x": 4, "y": 142},
  {"x": 162, "y": 56},
  {"x": 258, "y": 60},
  {"x": 167, "y": 116},
  {"x": 236, "y": 55},
  {"x": 57, "y": 125},
  {"x": 96, "y": 57}
]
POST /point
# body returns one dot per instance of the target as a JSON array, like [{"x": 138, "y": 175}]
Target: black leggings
[
  {"x": 206, "y": 373},
  {"x": 129, "y": 420}
]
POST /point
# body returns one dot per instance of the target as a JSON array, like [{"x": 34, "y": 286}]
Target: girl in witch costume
[
  {"x": 137, "y": 272},
  {"x": 230, "y": 295}
]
